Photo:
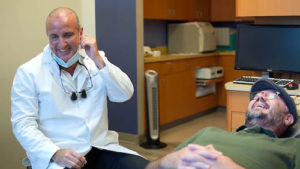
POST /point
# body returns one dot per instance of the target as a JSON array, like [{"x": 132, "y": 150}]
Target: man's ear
[
  {"x": 81, "y": 31},
  {"x": 288, "y": 119}
]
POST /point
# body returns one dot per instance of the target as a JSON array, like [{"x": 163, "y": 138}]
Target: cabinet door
[
  {"x": 237, "y": 104},
  {"x": 204, "y": 61},
  {"x": 203, "y": 9},
  {"x": 223, "y": 10},
  {"x": 237, "y": 120},
  {"x": 176, "y": 92},
  {"x": 267, "y": 8},
  {"x": 177, "y": 9},
  {"x": 198, "y": 10},
  {"x": 156, "y": 9}
]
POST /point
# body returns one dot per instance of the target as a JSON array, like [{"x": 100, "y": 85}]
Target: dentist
[{"x": 59, "y": 102}]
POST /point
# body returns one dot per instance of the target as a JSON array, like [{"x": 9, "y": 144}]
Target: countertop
[
  {"x": 243, "y": 87},
  {"x": 171, "y": 57}
]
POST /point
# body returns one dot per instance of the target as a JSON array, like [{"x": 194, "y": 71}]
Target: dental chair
[{"x": 291, "y": 132}]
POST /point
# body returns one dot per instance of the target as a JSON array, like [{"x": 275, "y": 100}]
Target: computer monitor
[{"x": 268, "y": 48}]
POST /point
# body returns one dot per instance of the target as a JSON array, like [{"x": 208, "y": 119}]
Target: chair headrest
[{"x": 293, "y": 131}]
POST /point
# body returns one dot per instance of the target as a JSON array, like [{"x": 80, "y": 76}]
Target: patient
[{"x": 260, "y": 144}]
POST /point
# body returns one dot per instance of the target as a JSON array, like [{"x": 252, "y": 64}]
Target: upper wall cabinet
[
  {"x": 224, "y": 11},
  {"x": 245, "y": 8},
  {"x": 177, "y": 9},
  {"x": 198, "y": 10}
]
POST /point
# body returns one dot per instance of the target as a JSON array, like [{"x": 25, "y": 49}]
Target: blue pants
[{"x": 103, "y": 159}]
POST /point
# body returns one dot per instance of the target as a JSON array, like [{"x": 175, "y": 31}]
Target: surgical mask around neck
[{"x": 67, "y": 64}]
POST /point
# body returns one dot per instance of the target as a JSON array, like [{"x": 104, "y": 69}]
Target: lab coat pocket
[{"x": 53, "y": 102}]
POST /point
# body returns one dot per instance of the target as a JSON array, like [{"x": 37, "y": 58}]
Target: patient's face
[{"x": 266, "y": 109}]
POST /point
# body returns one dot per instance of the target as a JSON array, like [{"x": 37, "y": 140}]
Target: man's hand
[
  {"x": 214, "y": 158},
  {"x": 89, "y": 44},
  {"x": 208, "y": 151},
  {"x": 224, "y": 162},
  {"x": 190, "y": 157},
  {"x": 205, "y": 157},
  {"x": 69, "y": 158}
]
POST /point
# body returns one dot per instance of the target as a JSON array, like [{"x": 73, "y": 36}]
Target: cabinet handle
[
  {"x": 170, "y": 12},
  {"x": 174, "y": 12},
  {"x": 163, "y": 82},
  {"x": 200, "y": 14},
  {"x": 169, "y": 65}
]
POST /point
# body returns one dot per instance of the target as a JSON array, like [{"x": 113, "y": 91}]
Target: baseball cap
[{"x": 265, "y": 84}]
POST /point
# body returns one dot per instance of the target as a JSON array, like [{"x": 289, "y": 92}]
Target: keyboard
[{"x": 252, "y": 79}]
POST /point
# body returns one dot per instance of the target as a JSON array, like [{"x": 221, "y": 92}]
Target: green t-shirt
[{"x": 252, "y": 148}]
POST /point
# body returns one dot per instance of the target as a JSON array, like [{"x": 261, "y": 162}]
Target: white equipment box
[
  {"x": 209, "y": 72},
  {"x": 191, "y": 37}
]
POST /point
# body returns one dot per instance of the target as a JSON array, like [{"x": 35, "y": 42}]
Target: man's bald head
[{"x": 62, "y": 12}]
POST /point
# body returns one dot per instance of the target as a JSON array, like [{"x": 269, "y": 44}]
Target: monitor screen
[{"x": 268, "y": 48}]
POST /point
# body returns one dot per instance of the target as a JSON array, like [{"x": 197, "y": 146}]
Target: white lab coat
[{"x": 44, "y": 119}]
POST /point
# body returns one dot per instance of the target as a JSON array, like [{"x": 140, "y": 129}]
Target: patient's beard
[{"x": 270, "y": 120}]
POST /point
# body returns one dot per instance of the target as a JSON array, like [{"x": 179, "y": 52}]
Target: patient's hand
[
  {"x": 208, "y": 151},
  {"x": 205, "y": 156},
  {"x": 190, "y": 157},
  {"x": 224, "y": 162},
  {"x": 214, "y": 158},
  {"x": 69, "y": 158}
]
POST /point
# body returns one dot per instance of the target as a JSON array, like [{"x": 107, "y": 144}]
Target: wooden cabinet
[
  {"x": 245, "y": 8},
  {"x": 176, "y": 9},
  {"x": 198, "y": 10},
  {"x": 176, "y": 93},
  {"x": 225, "y": 10},
  {"x": 237, "y": 103},
  {"x": 155, "y": 9},
  {"x": 164, "y": 9},
  {"x": 177, "y": 88},
  {"x": 230, "y": 74},
  {"x": 177, "y": 85}
]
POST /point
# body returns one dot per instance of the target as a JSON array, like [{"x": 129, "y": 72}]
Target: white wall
[{"x": 22, "y": 32}]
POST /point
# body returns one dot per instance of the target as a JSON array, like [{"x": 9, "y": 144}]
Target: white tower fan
[{"x": 152, "y": 105}]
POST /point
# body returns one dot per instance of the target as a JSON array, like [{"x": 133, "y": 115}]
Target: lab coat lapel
[
  {"x": 82, "y": 78},
  {"x": 86, "y": 72},
  {"x": 51, "y": 64}
]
